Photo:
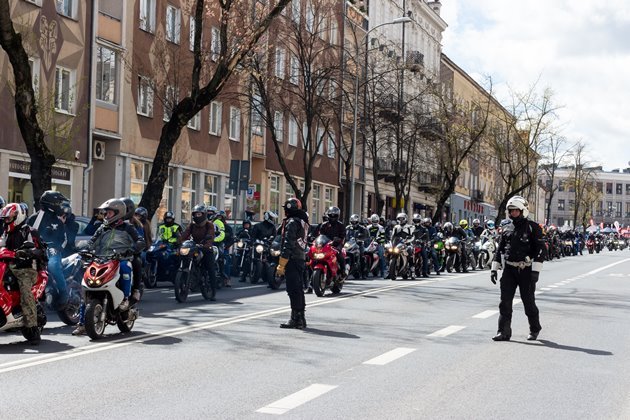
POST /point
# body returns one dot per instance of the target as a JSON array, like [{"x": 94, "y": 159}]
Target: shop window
[
  {"x": 188, "y": 195},
  {"x": 211, "y": 190}
]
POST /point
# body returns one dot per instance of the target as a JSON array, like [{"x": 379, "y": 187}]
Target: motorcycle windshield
[{"x": 321, "y": 241}]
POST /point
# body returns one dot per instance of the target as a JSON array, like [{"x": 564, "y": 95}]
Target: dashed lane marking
[
  {"x": 444, "y": 332},
  {"x": 485, "y": 314},
  {"x": 297, "y": 399},
  {"x": 390, "y": 356}
]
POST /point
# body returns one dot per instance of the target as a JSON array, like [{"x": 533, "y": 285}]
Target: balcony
[
  {"x": 388, "y": 167},
  {"x": 428, "y": 182},
  {"x": 477, "y": 196},
  {"x": 258, "y": 146}
]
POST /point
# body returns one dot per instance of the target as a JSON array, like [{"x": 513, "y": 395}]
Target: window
[
  {"x": 106, "y": 74},
  {"x": 274, "y": 193},
  {"x": 170, "y": 100},
  {"x": 173, "y": 23},
  {"x": 235, "y": 124},
  {"x": 561, "y": 205},
  {"x": 609, "y": 188},
  {"x": 191, "y": 35},
  {"x": 293, "y": 132},
  {"x": 215, "y": 44},
  {"x": 609, "y": 207},
  {"x": 627, "y": 189},
  {"x": 331, "y": 146},
  {"x": 295, "y": 11},
  {"x": 294, "y": 75},
  {"x": 64, "y": 82},
  {"x": 317, "y": 194},
  {"x": 147, "y": 15},
  {"x": 328, "y": 197},
  {"x": 215, "y": 118},
  {"x": 618, "y": 209},
  {"x": 560, "y": 186},
  {"x": 310, "y": 16},
  {"x": 139, "y": 176},
  {"x": 35, "y": 64},
  {"x": 627, "y": 210},
  {"x": 600, "y": 187},
  {"x": 145, "y": 97},
  {"x": 66, "y": 8},
  {"x": 288, "y": 191},
  {"x": 280, "y": 54},
  {"x": 195, "y": 122},
  {"x": 619, "y": 189},
  {"x": 278, "y": 125},
  {"x": 571, "y": 205},
  {"x": 188, "y": 197},
  {"x": 333, "y": 30},
  {"x": 211, "y": 190}
]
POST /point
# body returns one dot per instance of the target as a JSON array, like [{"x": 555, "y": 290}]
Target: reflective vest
[{"x": 167, "y": 233}]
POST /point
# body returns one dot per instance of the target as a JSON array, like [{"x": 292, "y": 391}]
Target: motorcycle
[
  {"x": 353, "y": 258},
  {"x": 567, "y": 247},
  {"x": 599, "y": 246},
  {"x": 487, "y": 252},
  {"x": 453, "y": 250},
  {"x": 590, "y": 245},
  {"x": 73, "y": 271},
  {"x": 11, "y": 317},
  {"x": 104, "y": 294},
  {"x": 261, "y": 267},
  {"x": 162, "y": 261},
  {"x": 418, "y": 261},
  {"x": 326, "y": 272},
  {"x": 438, "y": 246},
  {"x": 471, "y": 257},
  {"x": 242, "y": 250},
  {"x": 275, "y": 281},
  {"x": 372, "y": 260},
  {"x": 398, "y": 252},
  {"x": 191, "y": 275}
]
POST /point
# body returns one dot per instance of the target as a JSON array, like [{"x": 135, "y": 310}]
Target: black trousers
[
  {"x": 511, "y": 279},
  {"x": 293, "y": 274}
]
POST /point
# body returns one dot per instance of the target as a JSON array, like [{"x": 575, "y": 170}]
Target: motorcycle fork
[{"x": 104, "y": 313}]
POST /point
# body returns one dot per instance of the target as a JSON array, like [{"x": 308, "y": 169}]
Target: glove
[
  {"x": 534, "y": 276},
  {"x": 281, "y": 266},
  {"x": 493, "y": 277}
]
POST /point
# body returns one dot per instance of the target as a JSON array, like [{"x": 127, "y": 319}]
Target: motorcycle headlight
[
  {"x": 240, "y": 244},
  {"x": 436, "y": 246},
  {"x": 454, "y": 247},
  {"x": 259, "y": 249},
  {"x": 346, "y": 245},
  {"x": 275, "y": 252},
  {"x": 390, "y": 249},
  {"x": 396, "y": 251},
  {"x": 184, "y": 251},
  {"x": 318, "y": 255}
]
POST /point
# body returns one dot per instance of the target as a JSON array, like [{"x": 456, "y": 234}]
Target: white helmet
[
  {"x": 402, "y": 218},
  {"x": 374, "y": 218},
  {"x": 517, "y": 202},
  {"x": 270, "y": 216}
]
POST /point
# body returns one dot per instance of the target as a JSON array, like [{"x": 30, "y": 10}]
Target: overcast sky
[{"x": 578, "y": 48}]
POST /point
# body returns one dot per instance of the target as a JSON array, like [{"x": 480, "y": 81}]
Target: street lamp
[{"x": 396, "y": 21}]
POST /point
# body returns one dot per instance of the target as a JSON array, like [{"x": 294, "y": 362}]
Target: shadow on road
[
  {"x": 44, "y": 347},
  {"x": 327, "y": 333},
  {"x": 552, "y": 345}
]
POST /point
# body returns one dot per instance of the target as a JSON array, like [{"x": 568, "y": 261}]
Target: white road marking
[
  {"x": 250, "y": 287},
  {"x": 538, "y": 292},
  {"x": 446, "y": 331},
  {"x": 516, "y": 301},
  {"x": 485, "y": 314},
  {"x": 296, "y": 399},
  {"x": 545, "y": 288},
  {"x": 390, "y": 356},
  {"x": 553, "y": 286}
]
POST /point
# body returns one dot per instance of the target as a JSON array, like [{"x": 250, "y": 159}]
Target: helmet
[
  {"x": 210, "y": 210},
  {"x": 247, "y": 224},
  {"x": 199, "y": 214},
  {"x": 13, "y": 215},
  {"x": 476, "y": 222},
  {"x": 169, "y": 218},
  {"x": 519, "y": 203},
  {"x": 354, "y": 219},
  {"x": 374, "y": 219},
  {"x": 51, "y": 201},
  {"x": 448, "y": 226},
  {"x": 417, "y": 219},
  {"x": 65, "y": 208},
  {"x": 402, "y": 218},
  {"x": 2, "y": 203},
  {"x": 23, "y": 205},
  {"x": 270, "y": 216},
  {"x": 333, "y": 213},
  {"x": 142, "y": 213},
  {"x": 221, "y": 214},
  {"x": 292, "y": 205},
  {"x": 463, "y": 224},
  {"x": 438, "y": 225},
  {"x": 490, "y": 224},
  {"x": 118, "y": 207},
  {"x": 130, "y": 207}
]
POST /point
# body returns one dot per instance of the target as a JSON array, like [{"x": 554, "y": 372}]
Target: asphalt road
[{"x": 380, "y": 350}]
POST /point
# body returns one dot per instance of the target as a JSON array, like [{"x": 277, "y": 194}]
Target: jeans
[
  {"x": 434, "y": 257},
  {"x": 380, "y": 251},
  {"x": 55, "y": 270},
  {"x": 227, "y": 265}
]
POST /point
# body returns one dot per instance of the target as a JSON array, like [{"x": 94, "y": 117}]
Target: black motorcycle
[
  {"x": 242, "y": 257},
  {"x": 261, "y": 262},
  {"x": 191, "y": 275}
]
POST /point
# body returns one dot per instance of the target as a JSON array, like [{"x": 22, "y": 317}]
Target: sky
[{"x": 578, "y": 48}]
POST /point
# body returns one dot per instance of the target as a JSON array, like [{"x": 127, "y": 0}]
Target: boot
[
  {"x": 501, "y": 337},
  {"x": 533, "y": 335},
  {"x": 301, "y": 320},
  {"x": 293, "y": 322}
]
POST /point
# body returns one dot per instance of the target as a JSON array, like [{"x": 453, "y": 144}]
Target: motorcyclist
[
  {"x": 360, "y": 234},
  {"x": 72, "y": 229},
  {"x": 219, "y": 238},
  {"x": 142, "y": 215},
  {"x": 138, "y": 259},
  {"x": 227, "y": 244},
  {"x": 52, "y": 232},
  {"x": 169, "y": 231},
  {"x": 489, "y": 231},
  {"x": 470, "y": 237},
  {"x": 433, "y": 237},
  {"x": 377, "y": 233},
  {"x": 266, "y": 228},
  {"x": 421, "y": 234},
  {"x": 402, "y": 230},
  {"x": 477, "y": 229},
  {"x": 522, "y": 250},
  {"x": 17, "y": 233},
  {"x": 462, "y": 235},
  {"x": 336, "y": 232},
  {"x": 202, "y": 232}
]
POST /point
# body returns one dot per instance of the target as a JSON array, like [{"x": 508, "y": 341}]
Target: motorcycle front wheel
[
  {"x": 450, "y": 261},
  {"x": 94, "y": 326},
  {"x": 150, "y": 276},
  {"x": 318, "y": 281},
  {"x": 483, "y": 259},
  {"x": 392, "y": 269},
  {"x": 182, "y": 285},
  {"x": 124, "y": 323}
]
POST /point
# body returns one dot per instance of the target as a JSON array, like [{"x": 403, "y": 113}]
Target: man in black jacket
[
  {"x": 523, "y": 252},
  {"x": 292, "y": 260},
  {"x": 266, "y": 228},
  {"x": 336, "y": 232}
]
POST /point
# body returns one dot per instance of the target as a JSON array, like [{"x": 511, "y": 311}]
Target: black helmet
[
  {"x": 142, "y": 213},
  {"x": 169, "y": 218},
  {"x": 199, "y": 214},
  {"x": 52, "y": 201},
  {"x": 247, "y": 224},
  {"x": 130, "y": 207},
  {"x": 292, "y": 205},
  {"x": 333, "y": 213}
]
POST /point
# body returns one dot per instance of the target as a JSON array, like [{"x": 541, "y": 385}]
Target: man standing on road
[
  {"x": 292, "y": 256},
  {"x": 523, "y": 252}
]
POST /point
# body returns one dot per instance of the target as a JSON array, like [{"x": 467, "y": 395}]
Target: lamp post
[{"x": 399, "y": 20}]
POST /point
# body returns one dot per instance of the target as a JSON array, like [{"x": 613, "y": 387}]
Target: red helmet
[
  {"x": 293, "y": 204},
  {"x": 13, "y": 215}
]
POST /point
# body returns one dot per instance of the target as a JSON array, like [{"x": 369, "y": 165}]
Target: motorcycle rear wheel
[
  {"x": 182, "y": 286},
  {"x": 124, "y": 323},
  {"x": 318, "y": 282},
  {"x": 94, "y": 327},
  {"x": 69, "y": 315}
]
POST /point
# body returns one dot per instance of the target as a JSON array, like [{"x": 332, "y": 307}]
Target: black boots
[
  {"x": 501, "y": 337},
  {"x": 297, "y": 320},
  {"x": 533, "y": 336}
]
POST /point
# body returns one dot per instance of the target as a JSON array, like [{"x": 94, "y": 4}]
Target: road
[{"x": 380, "y": 350}]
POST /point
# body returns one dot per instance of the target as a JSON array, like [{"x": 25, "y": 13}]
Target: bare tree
[
  {"x": 241, "y": 24},
  {"x": 581, "y": 182},
  {"x": 553, "y": 156}
]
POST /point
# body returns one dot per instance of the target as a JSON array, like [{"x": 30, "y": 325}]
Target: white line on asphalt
[
  {"x": 538, "y": 292},
  {"x": 485, "y": 314},
  {"x": 390, "y": 356},
  {"x": 446, "y": 331},
  {"x": 545, "y": 288},
  {"x": 552, "y": 286},
  {"x": 516, "y": 301},
  {"x": 296, "y": 399},
  {"x": 250, "y": 287}
]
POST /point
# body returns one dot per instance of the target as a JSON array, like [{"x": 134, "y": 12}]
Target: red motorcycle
[
  {"x": 323, "y": 265},
  {"x": 11, "y": 317}
]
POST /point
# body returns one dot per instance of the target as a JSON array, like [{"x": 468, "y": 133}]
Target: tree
[
  {"x": 42, "y": 159},
  {"x": 241, "y": 24},
  {"x": 553, "y": 157},
  {"x": 582, "y": 183}
]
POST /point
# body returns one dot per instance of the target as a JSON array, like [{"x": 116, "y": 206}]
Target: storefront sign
[{"x": 24, "y": 167}]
